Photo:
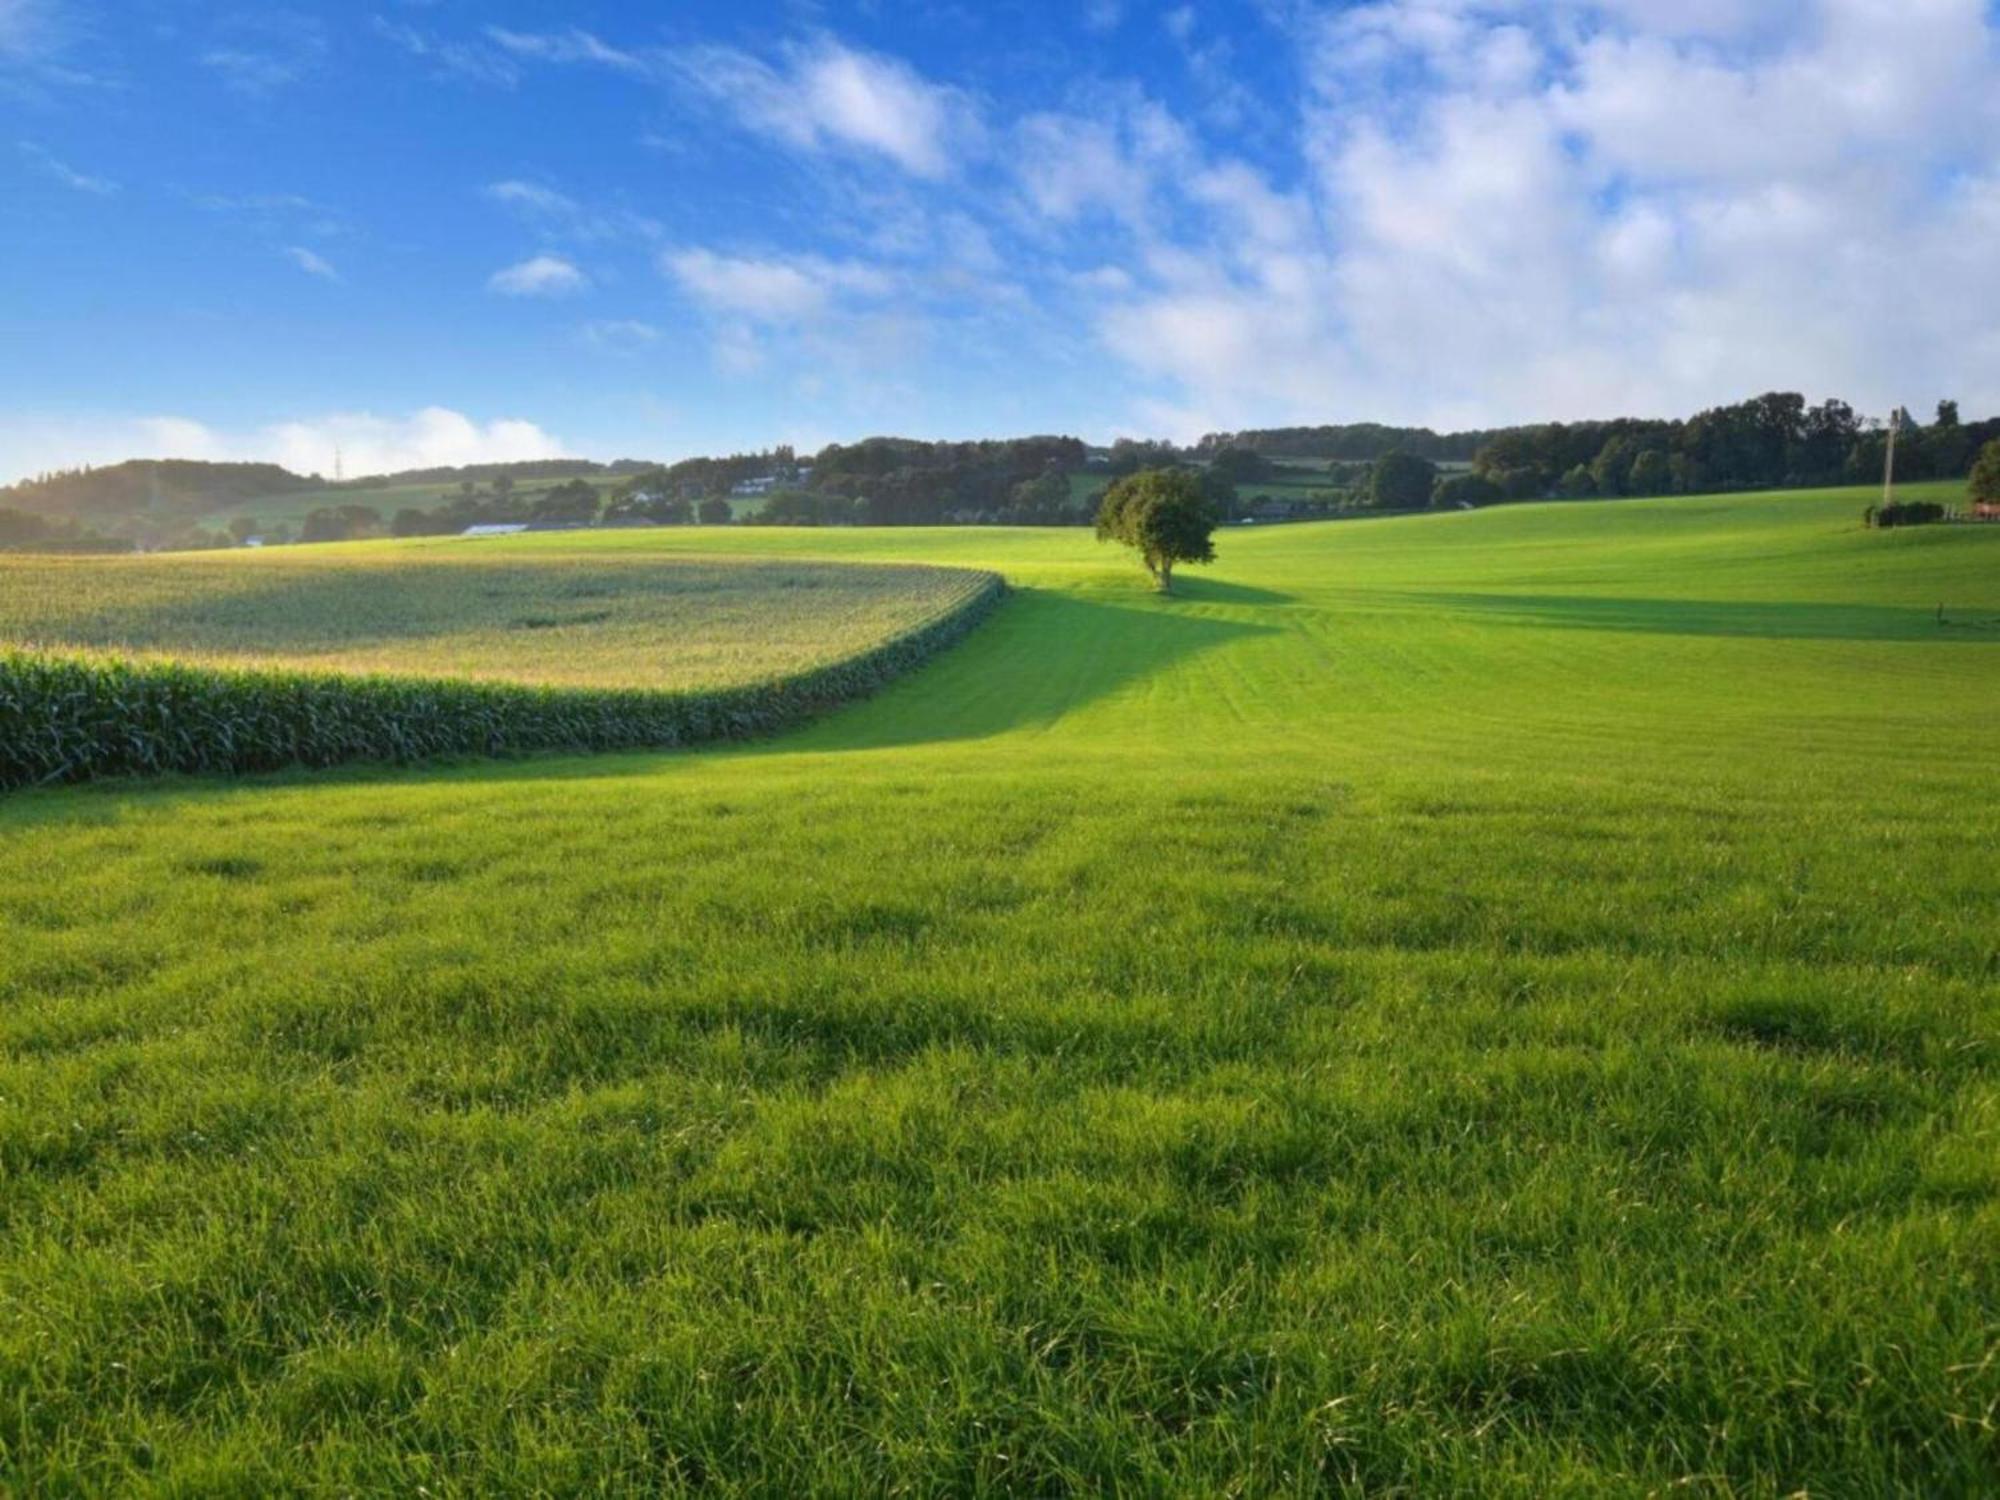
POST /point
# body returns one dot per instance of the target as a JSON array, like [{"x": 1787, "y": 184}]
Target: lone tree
[
  {"x": 1985, "y": 486},
  {"x": 1163, "y": 515}
]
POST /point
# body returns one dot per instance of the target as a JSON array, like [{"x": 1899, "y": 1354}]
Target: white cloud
[
  {"x": 825, "y": 95},
  {"x": 62, "y": 172},
  {"x": 368, "y": 443},
  {"x": 312, "y": 264},
  {"x": 770, "y": 289},
  {"x": 1516, "y": 213},
  {"x": 538, "y": 276},
  {"x": 1112, "y": 162}
]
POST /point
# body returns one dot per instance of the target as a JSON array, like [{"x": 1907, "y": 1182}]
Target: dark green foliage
[
  {"x": 1985, "y": 483},
  {"x": 1903, "y": 513},
  {"x": 1456, "y": 491},
  {"x": 1353, "y": 442},
  {"x": 714, "y": 512},
  {"x": 575, "y": 501},
  {"x": 22, "y": 531},
  {"x": 341, "y": 523},
  {"x": 1401, "y": 481},
  {"x": 1165, "y": 516},
  {"x": 66, "y": 719},
  {"x": 903, "y": 482},
  {"x": 1651, "y": 474},
  {"x": 1241, "y": 465}
]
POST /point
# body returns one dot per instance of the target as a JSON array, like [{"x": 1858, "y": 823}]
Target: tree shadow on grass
[
  {"x": 1198, "y": 588},
  {"x": 1746, "y": 618},
  {"x": 1043, "y": 654}
]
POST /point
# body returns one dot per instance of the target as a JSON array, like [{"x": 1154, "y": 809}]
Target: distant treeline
[
  {"x": 1776, "y": 441},
  {"x": 1355, "y": 442},
  {"x": 21, "y": 531},
  {"x": 1773, "y": 441},
  {"x": 879, "y": 481},
  {"x": 523, "y": 470}
]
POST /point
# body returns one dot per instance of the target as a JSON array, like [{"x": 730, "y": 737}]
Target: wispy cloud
[
  {"x": 572, "y": 46},
  {"x": 533, "y": 198},
  {"x": 469, "y": 61},
  {"x": 619, "y": 336},
  {"x": 262, "y": 52},
  {"x": 27, "y": 27},
  {"x": 37, "y": 41},
  {"x": 771, "y": 289},
  {"x": 539, "y": 276},
  {"x": 559, "y": 216},
  {"x": 823, "y": 96},
  {"x": 51, "y": 166},
  {"x": 311, "y": 263}
]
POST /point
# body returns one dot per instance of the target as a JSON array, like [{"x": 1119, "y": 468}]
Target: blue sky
[{"x": 440, "y": 231}]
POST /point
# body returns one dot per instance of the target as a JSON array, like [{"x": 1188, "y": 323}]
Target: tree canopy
[
  {"x": 1985, "y": 486},
  {"x": 1401, "y": 481},
  {"x": 1164, "y": 516}
]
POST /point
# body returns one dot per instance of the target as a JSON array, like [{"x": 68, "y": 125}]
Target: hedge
[{"x": 71, "y": 719}]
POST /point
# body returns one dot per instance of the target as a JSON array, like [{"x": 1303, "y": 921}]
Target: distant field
[
  {"x": 465, "y": 609},
  {"x": 1502, "y": 1003}
]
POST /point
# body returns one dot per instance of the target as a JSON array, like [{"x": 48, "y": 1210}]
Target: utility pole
[
  {"x": 1889, "y": 463},
  {"x": 340, "y": 474}
]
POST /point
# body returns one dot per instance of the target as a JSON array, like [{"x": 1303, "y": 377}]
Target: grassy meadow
[{"x": 1497, "y": 1003}]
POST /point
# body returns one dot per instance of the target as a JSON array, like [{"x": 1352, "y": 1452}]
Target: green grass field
[
  {"x": 1497, "y": 1003},
  {"x": 459, "y": 608}
]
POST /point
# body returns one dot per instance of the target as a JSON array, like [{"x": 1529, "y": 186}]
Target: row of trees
[
  {"x": 23, "y": 531},
  {"x": 1774, "y": 441},
  {"x": 1353, "y": 442}
]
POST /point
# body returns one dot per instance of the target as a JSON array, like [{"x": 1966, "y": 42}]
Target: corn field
[
  {"x": 592, "y": 617},
  {"x": 70, "y": 718}
]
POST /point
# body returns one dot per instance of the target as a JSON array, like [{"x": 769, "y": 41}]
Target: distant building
[
  {"x": 748, "y": 487},
  {"x": 495, "y": 528}
]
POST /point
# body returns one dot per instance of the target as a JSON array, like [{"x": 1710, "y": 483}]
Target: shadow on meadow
[
  {"x": 1803, "y": 621},
  {"x": 1044, "y": 654}
]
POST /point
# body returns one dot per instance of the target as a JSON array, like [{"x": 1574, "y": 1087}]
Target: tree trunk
[{"x": 1165, "y": 574}]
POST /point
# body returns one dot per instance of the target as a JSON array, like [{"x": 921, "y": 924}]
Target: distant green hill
[{"x": 166, "y": 489}]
